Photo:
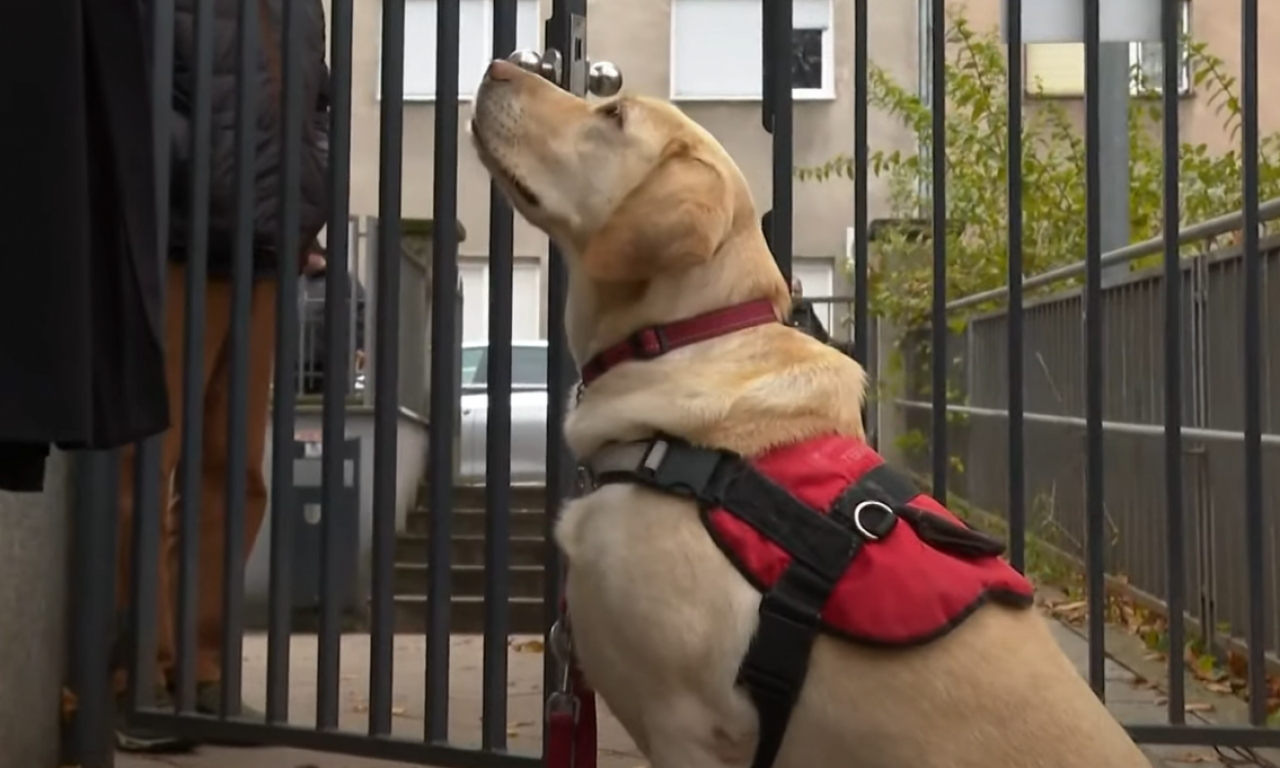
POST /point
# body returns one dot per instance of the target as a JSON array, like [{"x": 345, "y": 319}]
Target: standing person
[
  {"x": 312, "y": 364},
  {"x": 802, "y": 315},
  {"x": 216, "y": 351}
]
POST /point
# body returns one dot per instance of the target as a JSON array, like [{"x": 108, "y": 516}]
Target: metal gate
[{"x": 104, "y": 641}]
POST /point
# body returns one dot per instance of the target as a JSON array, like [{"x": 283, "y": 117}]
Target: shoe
[
  {"x": 135, "y": 739},
  {"x": 208, "y": 698}
]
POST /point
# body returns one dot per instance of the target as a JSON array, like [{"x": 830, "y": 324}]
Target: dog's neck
[{"x": 599, "y": 315}]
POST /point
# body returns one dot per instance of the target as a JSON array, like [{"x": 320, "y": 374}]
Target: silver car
[{"x": 528, "y": 411}]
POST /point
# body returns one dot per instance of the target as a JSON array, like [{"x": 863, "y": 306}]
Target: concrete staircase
[{"x": 467, "y": 568}]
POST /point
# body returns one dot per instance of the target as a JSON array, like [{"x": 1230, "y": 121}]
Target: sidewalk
[{"x": 1128, "y": 697}]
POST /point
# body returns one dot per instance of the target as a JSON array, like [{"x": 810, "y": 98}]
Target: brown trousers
[{"x": 217, "y": 353}]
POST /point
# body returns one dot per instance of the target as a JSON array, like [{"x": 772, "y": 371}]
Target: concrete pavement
[{"x": 1130, "y": 698}]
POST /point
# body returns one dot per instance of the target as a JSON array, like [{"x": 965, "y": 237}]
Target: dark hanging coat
[
  {"x": 80, "y": 340},
  {"x": 314, "y": 151}
]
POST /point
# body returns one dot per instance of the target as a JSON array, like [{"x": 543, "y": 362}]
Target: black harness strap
[
  {"x": 888, "y": 490},
  {"x": 821, "y": 549}
]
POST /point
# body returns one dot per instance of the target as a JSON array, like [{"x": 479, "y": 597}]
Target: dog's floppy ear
[{"x": 674, "y": 220}]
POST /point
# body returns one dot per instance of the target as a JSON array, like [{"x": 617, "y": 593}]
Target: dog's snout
[{"x": 502, "y": 71}]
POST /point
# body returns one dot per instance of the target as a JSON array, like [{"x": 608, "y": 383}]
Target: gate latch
[{"x": 604, "y": 79}]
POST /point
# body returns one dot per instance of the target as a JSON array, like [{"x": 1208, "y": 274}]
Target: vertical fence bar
[
  {"x": 778, "y": 24},
  {"x": 238, "y": 362},
  {"x": 497, "y": 462},
  {"x": 92, "y": 585},
  {"x": 289, "y": 248},
  {"x": 193, "y": 358},
  {"x": 1255, "y": 535},
  {"x": 938, "y": 150},
  {"x": 567, "y": 24},
  {"x": 1175, "y": 534},
  {"x": 861, "y": 301},
  {"x": 1095, "y": 514},
  {"x": 144, "y": 562},
  {"x": 444, "y": 367},
  {"x": 1017, "y": 446},
  {"x": 338, "y": 362},
  {"x": 386, "y": 308}
]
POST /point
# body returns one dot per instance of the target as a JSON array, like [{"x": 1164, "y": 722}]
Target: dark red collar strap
[{"x": 655, "y": 341}]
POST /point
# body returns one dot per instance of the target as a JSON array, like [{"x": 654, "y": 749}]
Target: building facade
[{"x": 705, "y": 55}]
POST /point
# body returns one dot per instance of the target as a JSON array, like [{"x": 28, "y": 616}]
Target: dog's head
[{"x": 632, "y": 189}]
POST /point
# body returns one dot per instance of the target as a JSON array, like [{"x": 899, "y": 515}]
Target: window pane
[
  {"x": 716, "y": 47},
  {"x": 473, "y": 366},
  {"x": 806, "y": 58},
  {"x": 529, "y": 366},
  {"x": 475, "y": 25}
]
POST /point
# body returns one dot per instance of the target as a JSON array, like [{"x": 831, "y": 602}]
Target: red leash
[{"x": 571, "y": 708}]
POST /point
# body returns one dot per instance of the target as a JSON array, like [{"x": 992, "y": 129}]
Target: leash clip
[{"x": 563, "y": 699}]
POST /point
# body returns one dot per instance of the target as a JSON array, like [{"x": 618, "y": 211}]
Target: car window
[
  {"x": 529, "y": 366},
  {"x": 474, "y": 366}
]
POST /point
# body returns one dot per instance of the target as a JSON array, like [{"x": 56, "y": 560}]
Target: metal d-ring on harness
[{"x": 821, "y": 546}]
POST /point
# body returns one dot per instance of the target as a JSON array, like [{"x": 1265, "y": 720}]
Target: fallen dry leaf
[
  {"x": 528, "y": 646},
  {"x": 1191, "y": 757},
  {"x": 1071, "y": 607},
  {"x": 1218, "y": 687},
  {"x": 1199, "y": 706}
]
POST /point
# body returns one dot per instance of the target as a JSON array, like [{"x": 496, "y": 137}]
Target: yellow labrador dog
[{"x": 658, "y": 226}]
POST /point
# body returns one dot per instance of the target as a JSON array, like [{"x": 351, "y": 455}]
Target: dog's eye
[{"x": 612, "y": 111}]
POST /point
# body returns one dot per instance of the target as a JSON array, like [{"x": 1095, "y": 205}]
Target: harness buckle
[{"x": 685, "y": 470}]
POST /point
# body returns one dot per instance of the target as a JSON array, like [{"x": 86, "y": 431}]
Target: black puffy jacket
[{"x": 315, "y": 132}]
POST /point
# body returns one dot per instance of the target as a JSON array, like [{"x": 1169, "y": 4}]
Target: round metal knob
[
  {"x": 604, "y": 79},
  {"x": 545, "y": 64},
  {"x": 527, "y": 59}
]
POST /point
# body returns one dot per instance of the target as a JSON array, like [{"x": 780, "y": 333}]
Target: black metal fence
[
  {"x": 1215, "y": 579},
  {"x": 1015, "y": 410},
  {"x": 107, "y": 639}
]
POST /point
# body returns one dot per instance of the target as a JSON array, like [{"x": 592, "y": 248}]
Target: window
[
  {"x": 1147, "y": 61},
  {"x": 528, "y": 367},
  {"x": 1057, "y": 69},
  {"x": 475, "y": 44},
  {"x": 716, "y": 50},
  {"x": 817, "y": 278},
  {"x": 473, "y": 361},
  {"x": 526, "y": 300}
]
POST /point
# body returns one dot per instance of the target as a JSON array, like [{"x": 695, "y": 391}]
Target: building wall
[
  {"x": 1216, "y": 23},
  {"x": 637, "y": 37}
]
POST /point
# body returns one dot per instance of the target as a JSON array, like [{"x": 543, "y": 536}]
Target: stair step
[
  {"x": 466, "y": 615},
  {"x": 524, "y": 581},
  {"x": 529, "y": 497},
  {"x": 469, "y": 550},
  {"x": 471, "y": 522}
]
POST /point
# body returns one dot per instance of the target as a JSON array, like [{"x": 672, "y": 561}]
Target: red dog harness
[{"x": 836, "y": 542}]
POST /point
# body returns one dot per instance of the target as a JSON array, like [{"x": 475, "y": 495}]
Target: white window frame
[
  {"x": 1072, "y": 86},
  {"x": 485, "y": 54},
  {"x": 826, "y": 93},
  {"x": 528, "y": 264},
  {"x": 1136, "y": 51}
]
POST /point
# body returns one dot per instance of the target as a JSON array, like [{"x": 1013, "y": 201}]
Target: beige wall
[
  {"x": 1215, "y": 23},
  {"x": 636, "y": 36}
]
